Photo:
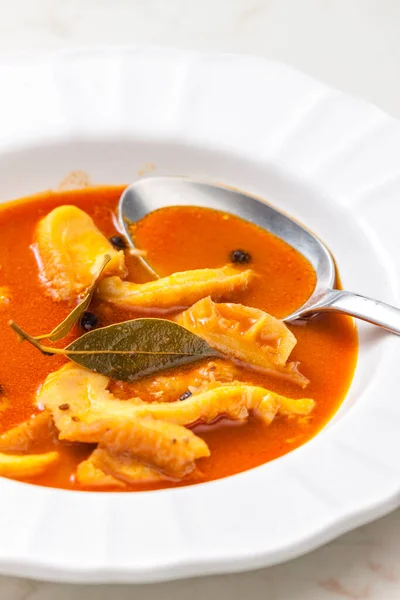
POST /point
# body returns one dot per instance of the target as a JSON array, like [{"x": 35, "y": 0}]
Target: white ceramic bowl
[{"x": 328, "y": 159}]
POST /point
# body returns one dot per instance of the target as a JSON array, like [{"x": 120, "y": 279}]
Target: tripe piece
[
  {"x": 177, "y": 290},
  {"x": 82, "y": 396},
  {"x": 70, "y": 250},
  {"x": 30, "y": 465},
  {"x": 88, "y": 401},
  {"x": 247, "y": 334},
  {"x": 234, "y": 400},
  {"x": 169, "y": 447}
]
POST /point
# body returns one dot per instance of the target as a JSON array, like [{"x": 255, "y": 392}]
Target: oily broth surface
[{"x": 176, "y": 239}]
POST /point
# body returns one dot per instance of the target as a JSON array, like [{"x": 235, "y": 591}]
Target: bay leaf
[
  {"x": 133, "y": 349},
  {"x": 65, "y": 327},
  {"x": 24, "y": 336}
]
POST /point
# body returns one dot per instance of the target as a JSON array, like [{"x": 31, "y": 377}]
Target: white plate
[{"x": 328, "y": 159}]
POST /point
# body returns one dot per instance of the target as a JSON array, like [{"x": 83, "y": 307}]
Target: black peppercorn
[
  {"x": 185, "y": 395},
  {"x": 118, "y": 242},
  {"x": 240, "y": 256},
  {"x": 89, "y": 321}
]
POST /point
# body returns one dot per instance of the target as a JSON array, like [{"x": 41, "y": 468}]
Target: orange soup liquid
[{"x": 176, "y": 239}]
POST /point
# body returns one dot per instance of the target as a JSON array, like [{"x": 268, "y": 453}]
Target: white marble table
[{"x": 352, "y": 44}]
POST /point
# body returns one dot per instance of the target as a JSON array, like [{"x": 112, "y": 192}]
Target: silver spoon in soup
[{"x": 152, "y": 193}]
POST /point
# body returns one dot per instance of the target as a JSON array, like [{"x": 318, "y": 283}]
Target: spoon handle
[{"x": 361, "y": 307}]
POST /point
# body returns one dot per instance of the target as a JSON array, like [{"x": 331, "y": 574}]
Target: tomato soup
[{"x": 175, "y": 239}]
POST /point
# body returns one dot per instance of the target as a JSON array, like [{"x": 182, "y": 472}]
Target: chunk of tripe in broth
[
  {"x": 88, "y": 401},
  {"x": 70, "y": 250},
  {"x": 233, "y": 400},
  {"x": 167, "y": 446},
  {"x": 247, "y": 334},
  {"x": 30, "y": 465},
  {"x": 177, "y": 290},
  {"x": 86, "y": 396}
]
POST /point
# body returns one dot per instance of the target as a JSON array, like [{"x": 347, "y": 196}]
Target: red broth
[{"x": 176, "y": 239}]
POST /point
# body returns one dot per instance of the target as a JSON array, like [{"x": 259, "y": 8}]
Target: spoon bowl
[{"x": 152, "y": 193}]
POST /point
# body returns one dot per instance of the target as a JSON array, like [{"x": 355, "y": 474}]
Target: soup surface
[{"x": 176, "y": 239}]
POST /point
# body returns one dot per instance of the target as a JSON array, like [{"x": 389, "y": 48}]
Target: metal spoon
[{"x": 152, "y": 193}]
